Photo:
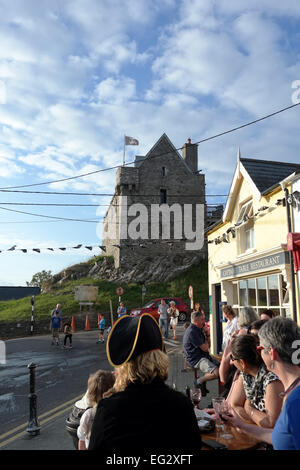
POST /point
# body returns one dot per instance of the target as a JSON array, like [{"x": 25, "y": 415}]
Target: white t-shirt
[
  {"x": 231, "y": 327},
  {"x": 85, "y": 426}
]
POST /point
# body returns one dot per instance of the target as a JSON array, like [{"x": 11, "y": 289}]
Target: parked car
[{"x": 152, "y": 307}]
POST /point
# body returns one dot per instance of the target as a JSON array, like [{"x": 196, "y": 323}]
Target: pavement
[{"x": 53, "y": 434}]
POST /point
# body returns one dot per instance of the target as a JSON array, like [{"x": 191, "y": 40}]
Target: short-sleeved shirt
[
  {"x": 231, "y": 327},
  {"x": 121, "y": 311},
  {"x": 53, "y": 313},
  {"x": 193, "y": 338},
  {"x": 102, "y": 324},
  {"x": 286, "y": 433},
  {"x": 85, "y": 426},
  {"x": 255, "y": 387},
  {"x": 163, "y": 311},
  {"x": 55, "y": 322}
]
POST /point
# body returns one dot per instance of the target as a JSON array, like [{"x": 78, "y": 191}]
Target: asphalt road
[{"x": 61, "y": 375}]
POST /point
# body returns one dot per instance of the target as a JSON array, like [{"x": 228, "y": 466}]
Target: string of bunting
[
  {"x": 293, "y": 199},
  {"x": 38, "y": 250}
]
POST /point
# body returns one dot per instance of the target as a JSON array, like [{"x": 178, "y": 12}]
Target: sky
[{"x": 78, "y": 75}]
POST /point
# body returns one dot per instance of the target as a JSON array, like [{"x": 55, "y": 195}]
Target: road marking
[{"x": 65, "y": 406}]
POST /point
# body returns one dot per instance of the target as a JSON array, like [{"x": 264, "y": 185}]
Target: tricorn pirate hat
[{"x": 132, "y": 336}]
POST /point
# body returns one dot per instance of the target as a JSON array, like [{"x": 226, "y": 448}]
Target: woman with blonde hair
[{"x": 140, "y": 413}]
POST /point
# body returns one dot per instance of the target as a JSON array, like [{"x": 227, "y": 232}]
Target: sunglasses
[{"x": 233, "y": 358}]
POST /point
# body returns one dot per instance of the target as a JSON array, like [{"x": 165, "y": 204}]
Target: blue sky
[{"x": 76, "y": 75}]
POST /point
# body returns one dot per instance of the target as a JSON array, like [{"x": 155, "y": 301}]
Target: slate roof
[{"x": 265, "y": 174}]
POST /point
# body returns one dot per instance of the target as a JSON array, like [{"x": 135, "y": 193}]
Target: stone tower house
[{"x": 161, "y": 179}]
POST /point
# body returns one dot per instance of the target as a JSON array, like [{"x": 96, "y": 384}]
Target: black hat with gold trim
[{"x": 132, "y": 336}]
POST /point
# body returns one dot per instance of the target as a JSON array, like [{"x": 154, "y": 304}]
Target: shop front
[{"x": 261, "y": 282}]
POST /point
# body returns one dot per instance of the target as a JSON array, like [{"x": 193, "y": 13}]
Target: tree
[{"x": 38, "y": 279}]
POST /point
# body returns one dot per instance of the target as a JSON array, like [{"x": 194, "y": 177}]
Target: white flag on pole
[{"x": 130, "y": 141}]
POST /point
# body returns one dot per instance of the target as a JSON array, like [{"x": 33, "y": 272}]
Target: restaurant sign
[{"x": 266, "y": 262}]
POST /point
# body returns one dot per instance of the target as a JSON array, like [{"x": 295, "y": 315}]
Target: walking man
[
  {"x": 196, "y": 344},
  {"x": 58, "y": 310},
  {"x": 55, "y": 326},
  {"x": 163, "y": 317}
]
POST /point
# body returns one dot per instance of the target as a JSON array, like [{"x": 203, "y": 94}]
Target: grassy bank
[{"x": 14, "y": 310}]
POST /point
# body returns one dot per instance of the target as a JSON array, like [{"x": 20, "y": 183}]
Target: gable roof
[
  {"x": 162, "y": 146},
  {"x": 266, "y": 174},
  {"x": 261, "y": 175}
]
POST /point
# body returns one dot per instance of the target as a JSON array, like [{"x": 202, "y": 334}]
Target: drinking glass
[
  {"x": 225, "y": 410},
  {"x": 196, "y": 396},
  {"x": 217, "y": 404}
]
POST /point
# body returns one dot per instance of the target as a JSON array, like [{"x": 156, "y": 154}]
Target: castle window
[
  {"x": 163, "y": 196},
  {"x": 163, "y": 171}
]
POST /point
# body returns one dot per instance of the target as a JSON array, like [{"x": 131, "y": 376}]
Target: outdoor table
[{"x": 239, "y": 440}]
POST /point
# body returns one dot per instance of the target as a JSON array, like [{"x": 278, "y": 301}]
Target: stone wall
[{"x": 22, "y": 328}]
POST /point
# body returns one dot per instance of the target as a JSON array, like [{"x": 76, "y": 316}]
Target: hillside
[{"x": 62, "y": 291}]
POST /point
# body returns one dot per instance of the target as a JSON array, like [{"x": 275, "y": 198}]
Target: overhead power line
[
  {"x": 102, "y": 194},
  {"x": 48, "y": 216},
  {"x": 158, "y": 155}
]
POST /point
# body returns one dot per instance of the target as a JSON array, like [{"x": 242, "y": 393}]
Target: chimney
[{"x": 190, "y": 155}]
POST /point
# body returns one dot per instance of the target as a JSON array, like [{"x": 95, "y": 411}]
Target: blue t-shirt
[
  {"x": 53, "y": 313},
  {"x": 192, "y": 340},
  {"x": 56, "y": 322},
  {"x": 121, "y": 311},
  {"x": 286, "y": 433},
  {"x": 102, "y": 324}
]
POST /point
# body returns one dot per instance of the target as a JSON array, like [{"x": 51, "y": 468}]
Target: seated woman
[
  {"x": 255, "y": 397},
  {"x": 246, "y": 316},
  {"x": 278, "y": 338},
  {"x": 143, "y": 413},
  {"x": 244, "y": 321},
  {"x": 267, "y": 314}
]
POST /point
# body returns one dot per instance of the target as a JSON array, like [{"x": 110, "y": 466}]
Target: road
[{"x": 61, "y": 375}]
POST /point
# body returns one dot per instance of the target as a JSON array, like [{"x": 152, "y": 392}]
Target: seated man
[{"x": 196, "y": 345}]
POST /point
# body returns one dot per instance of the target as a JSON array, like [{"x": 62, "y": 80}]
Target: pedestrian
[
  {"x": 55, "y": 327},
  {"x": 196, "y": 344},
  {"x": 122, "y": 310},
  {"x": 99, "y": 384},
  {"x": 68, "y": 334},
  {"x": 57, "y": 309},
  {"x": 163, "y": 317},
  {"x": 173, "y": 315},
  {"x": 139, "y": 416},
  {"x": 101, "y": 328}
]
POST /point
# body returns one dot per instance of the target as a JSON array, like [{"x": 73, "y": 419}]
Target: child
[
  {"x": 99, "y": 384},
  {"x": 101, "y": 328},
  {"x": 68, "y": 334},
  {"x": 185, "y": 367}
]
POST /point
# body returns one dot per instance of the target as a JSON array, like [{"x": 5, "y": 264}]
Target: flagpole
[{"x": 124, "y": 152}]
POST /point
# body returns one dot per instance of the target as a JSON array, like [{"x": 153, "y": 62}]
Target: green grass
[{"x": 196, "y": 276}]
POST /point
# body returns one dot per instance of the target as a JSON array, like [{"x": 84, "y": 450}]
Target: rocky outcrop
[{"x": 161, "y": 268}]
